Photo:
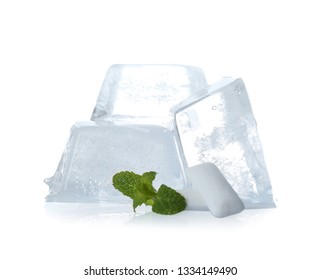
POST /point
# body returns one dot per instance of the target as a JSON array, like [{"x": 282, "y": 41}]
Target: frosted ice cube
[
  {"x": 220, "y": 128},
  {"x": 95, "y": 152},
  {"x": 146, "y": 93}
]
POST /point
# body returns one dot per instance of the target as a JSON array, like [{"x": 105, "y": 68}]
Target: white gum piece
[{"x": 217, "y": 193}]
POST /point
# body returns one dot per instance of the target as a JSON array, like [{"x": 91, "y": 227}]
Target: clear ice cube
[
  {"x": 220, "y": 128},
  {"x": 96, "y": 151},
  {"x": 146, "y": 93}
]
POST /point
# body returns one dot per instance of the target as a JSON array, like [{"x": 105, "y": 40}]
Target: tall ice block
[
  {"x": 146, "y": 93},
  {"x": 219, "y": 127},
  {"x": 95, "y": 152}
]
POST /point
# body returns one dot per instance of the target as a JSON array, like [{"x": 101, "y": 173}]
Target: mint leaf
[
  {"x": 126, "y": 182},
  {"x": 140, "y": 189},
  {"x": 168, "y": 201},
  {"x": 147, "y": 180}
]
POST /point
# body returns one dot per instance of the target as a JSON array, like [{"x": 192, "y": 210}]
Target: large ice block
[
  {"x": 219, "y": 127},
  {"x": 146, "y": 93},
  {"x": 95, "y": 152}
]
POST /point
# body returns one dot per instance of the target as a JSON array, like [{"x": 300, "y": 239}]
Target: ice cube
[
  {"x": 146, "y": 93},
  {"x": 219, "y": 127},
  {"x": 95, "y": 152}
]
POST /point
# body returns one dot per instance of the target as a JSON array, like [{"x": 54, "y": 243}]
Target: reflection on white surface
[
  {"x": 91, "y": 212},
  {"x": 123, "y": 214}
]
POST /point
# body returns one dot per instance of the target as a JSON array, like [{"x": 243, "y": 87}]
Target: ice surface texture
[
  {"x": 146, "y": 93},
  {"x": 220, "y": 128},
  {"x": 95, "y": 152}
]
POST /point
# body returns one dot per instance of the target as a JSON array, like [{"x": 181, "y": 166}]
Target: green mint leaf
[
  {"x": 126, "y": 182},
  {"x": 138, "y": 199},
  {"x": 138, "y": 187},
  {"x": 168, "y": 201},
  {"x": 147, "y": 180}
]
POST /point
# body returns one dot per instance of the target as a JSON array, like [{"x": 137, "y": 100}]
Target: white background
[{"x": 53, "y": 59}]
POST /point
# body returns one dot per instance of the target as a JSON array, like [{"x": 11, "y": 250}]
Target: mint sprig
[
  {"x": 168, "y": 201},
  {"x": 140, "y": 189}
]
